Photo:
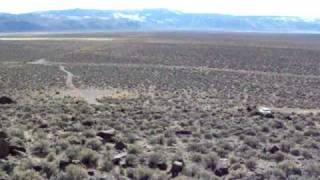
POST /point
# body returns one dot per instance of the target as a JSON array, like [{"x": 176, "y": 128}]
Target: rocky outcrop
[
  {"x": 6, "y": 100},
  {"x": 177, "y": 167},
  {"x": 107, "y": 136}
]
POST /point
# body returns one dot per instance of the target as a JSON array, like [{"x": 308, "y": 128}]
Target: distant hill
[{"x": 149, "y": 19}]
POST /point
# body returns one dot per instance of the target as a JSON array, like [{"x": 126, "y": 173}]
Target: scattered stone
[
  {"x": 17, "y": 150},
  {"x": 43, "y": 125},
  {"x": 273, "y": 149},
  {"x": 4, "y": 150},
  {"x": 177, "y": 167},
  {"x": 63, "y": 163},
  {"x": 162, "y": 166},
  {"x": 120, "y": 145},
  {"x": 289, "y": 118},
  {"x": 264, "y": 112},
  {"x": 6, "y": 100},
  {"x": 92, "y": 172},
  {"x": 107, "y": 136},
  {"x": 222, "y": 169},
  {"x": 183, "y": 132},
  {"x": 119, "y": 158},
  {"x": 37, "y": 167}
]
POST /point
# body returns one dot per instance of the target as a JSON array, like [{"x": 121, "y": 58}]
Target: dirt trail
[
  {"x": 69, "y": 78},
  {"x": 197, "y": 69},
  {"x": 91, "y": 95},
  {"x": 295, "y": 110},
  {"x": 175, "y": 67}
]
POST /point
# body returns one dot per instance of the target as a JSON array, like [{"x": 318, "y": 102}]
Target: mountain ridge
[{"x": 149, "y": 19}]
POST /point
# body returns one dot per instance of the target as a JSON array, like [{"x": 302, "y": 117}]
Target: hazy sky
[{"x": 303, "y": 8}]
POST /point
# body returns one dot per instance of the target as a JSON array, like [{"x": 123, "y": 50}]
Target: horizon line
[{"x": 168, "y": 9}]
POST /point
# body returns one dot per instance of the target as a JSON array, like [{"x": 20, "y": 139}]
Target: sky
[{"x": 301, "y": 8}]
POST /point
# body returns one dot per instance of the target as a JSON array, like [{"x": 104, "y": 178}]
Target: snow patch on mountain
[{"x": 132, "y": 17}]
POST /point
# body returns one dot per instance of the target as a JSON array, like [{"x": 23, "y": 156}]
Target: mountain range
[{"x": 85, "y": 20}]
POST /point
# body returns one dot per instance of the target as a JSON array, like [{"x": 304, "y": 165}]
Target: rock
[
  {"x": 177, "y": 167},
  {"x": 4, "y": 150},
  {"x": 107, "y": 136},
  {"x": 43, "y": 125},
  {"x": 92, "y": 172},
  {"x": 222, "y": 169},
  {"x": 264, "y": 112},
  {"x": 63, "y": 163},
  {"x": 183, "y": 132},
  {"x": 273, "y": 149},
  {"x": 6, "y": 100},
  {"x": 37, "y": 167},
  {"x": 119, "y": 157},
  {"x": 17, "y": 150},
  {"x": 289, "y": 118},
  {"x": 120, "y": 145},
  {"x": 162, "y": 166}
]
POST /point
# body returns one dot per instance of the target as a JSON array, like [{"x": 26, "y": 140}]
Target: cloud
[{"x": 304, "y": 8}]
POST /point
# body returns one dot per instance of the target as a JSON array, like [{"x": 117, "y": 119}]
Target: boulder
[
  {"x": 107, "y": 136},
  {"x": 5, "y": 149},
  {"x": 120, "y": 145},
  {"x": 6, "y": 100},
  {"x": 63, "y": 163},
  {"x": 43, "y": 125},
  {"x": 264, "y": 112},
  {"x": 177, "y": 167},
  {"x": 17, "y": 150},
  {"x": 162, "y": 166},
  {"x": 183, "y": 132},
  {"x": 273, "y": 149},
  {"x": 222, "y": 169},
  {"x": 119, "y": 159},
  {"x": 92, "y": 172}
]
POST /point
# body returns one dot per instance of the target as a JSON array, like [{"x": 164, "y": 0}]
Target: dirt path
[
  {"x": 295, "y": 110},
  {"x": 197, "y": 69},
  {"x": 173, "y": 67},
  {"x": 69, "y": 78}
]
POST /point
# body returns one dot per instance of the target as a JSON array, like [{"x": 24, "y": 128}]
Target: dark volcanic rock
[
  {"x": 183, "y": 132},
  {"x": 4, "y": 149},
  {"x": 222, "y": 169},
  {"x": 119, "y": 159},
  {"x": 6, "y": 100},
  {"x": 273, "y": 149},
  {"x": 92, "y": 172},
  {"x": 63, "y": 163},
  {"x": 17, "y": 150},
  {"x": 162, "y": 166},
  {"x": 120, "y": 145},
  {"x": 107, "y": 136},
  {"x": 177, "y": 167}
]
